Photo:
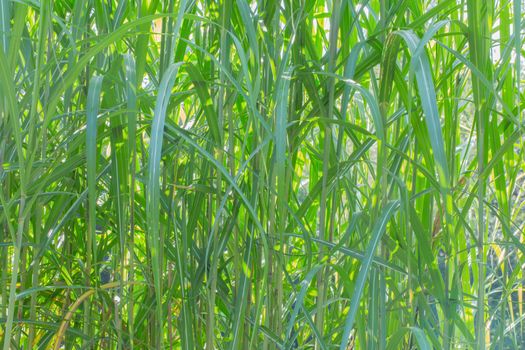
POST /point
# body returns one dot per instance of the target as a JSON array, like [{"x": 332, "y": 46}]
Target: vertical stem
[
  {"x": 479, "y": 47},
  {"x": 5, "y": 228},
  {"x": 14, "y": 273}
]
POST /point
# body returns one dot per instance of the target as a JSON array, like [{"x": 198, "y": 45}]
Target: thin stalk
[
  {"x": 327, "y": 149},
  {"x": 479, "y": 50}
]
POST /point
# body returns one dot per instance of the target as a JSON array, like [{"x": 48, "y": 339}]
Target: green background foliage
[{"x": 295, "y": 174}]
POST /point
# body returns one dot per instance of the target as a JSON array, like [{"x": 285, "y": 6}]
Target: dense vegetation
[{"x": 291, "y": 174}]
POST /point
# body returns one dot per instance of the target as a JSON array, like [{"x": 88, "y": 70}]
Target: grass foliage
[{"x": 296, "y": 174}]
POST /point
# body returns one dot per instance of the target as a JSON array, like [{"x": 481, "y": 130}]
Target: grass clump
[{"x": 261, "y": 174}]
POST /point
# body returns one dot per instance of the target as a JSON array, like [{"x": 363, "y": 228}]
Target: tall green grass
[{"x": 262, "y": 174}]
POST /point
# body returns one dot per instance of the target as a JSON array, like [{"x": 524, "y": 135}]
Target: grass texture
[{"x": 233, "y": 174}]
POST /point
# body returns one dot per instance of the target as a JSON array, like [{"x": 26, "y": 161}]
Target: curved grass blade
[
  {"x": 153, "y": 183},
  {"x": 427, "y": 93},
  {"x": 377, "y": 232}
]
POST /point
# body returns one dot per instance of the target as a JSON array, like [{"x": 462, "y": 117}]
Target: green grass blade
[
  {"x": 376, "y": 233},
  {"x": 153, "y": 186}
]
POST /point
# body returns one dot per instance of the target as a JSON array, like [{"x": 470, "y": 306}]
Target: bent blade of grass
[
  {"x": 377, "y": 232},
  {"x": 427, "y": 93},
  {"x": 153, "y": 183}
]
